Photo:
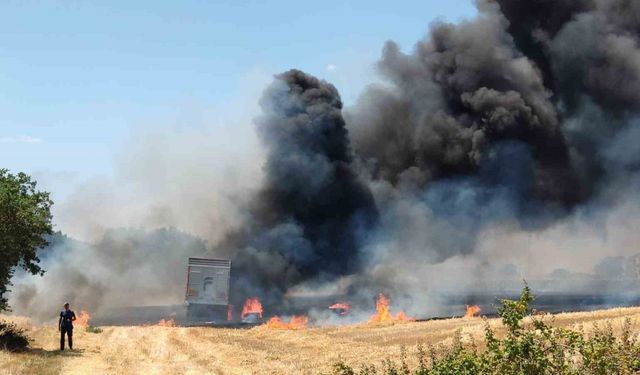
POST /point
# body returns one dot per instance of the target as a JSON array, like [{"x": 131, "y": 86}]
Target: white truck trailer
[{"x": 207, "y": 294}]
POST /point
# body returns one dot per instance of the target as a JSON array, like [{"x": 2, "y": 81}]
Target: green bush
[
  {"x": 12, "y": 338},
  {"x": 529, "y": 347}
]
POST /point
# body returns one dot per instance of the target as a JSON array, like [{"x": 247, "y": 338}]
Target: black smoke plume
[
  {"x": 518, "y": 106},
  {"x": 512, "y": 118},
  {"x": 517, "y": 118},
  {"x": 309, "y": 217}
]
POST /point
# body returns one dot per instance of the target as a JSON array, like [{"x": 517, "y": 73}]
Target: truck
[{"x": 207, "y": 292}]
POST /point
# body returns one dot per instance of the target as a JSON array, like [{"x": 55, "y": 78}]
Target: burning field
[
  {"x": 490, "y": 152},
  {"x": 498, "y": 149},
  {"x": 263, "y": 349}
]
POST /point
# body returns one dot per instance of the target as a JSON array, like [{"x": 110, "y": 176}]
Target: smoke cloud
[
  {"x": 312, "y": 209},
  {"x": 511, "y": 134},
  {"x": 126, "y": 267}
]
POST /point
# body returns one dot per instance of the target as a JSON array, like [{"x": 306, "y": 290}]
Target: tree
[{"x": 25, "y": 218}]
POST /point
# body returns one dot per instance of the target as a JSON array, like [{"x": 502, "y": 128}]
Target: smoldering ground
[{"x": 504, "y": 142}]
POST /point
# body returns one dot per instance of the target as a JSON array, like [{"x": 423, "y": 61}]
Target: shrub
[
  {"x": 12, "y": 338},
  {"x": 529, "y": 347}
]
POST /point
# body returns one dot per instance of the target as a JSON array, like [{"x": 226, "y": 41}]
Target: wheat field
[{"x": 259, "y": 350}]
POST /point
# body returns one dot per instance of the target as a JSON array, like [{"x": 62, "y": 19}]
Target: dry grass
[
  {"x": 166, "y": 350},
  {"x": 36, "y": 360}
]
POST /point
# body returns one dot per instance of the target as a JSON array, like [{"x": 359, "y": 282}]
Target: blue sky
[{"x": 78, "y": 77}]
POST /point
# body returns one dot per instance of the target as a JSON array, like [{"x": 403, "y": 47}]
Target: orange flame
[
  {"x": 296, "y": 322},
  {"x": 383, "y": 312},
  {"x": 472, "y": 311},
  {"x": 341, "y": 308},
  {"x": 402, "y": 317},
  {"x": 251, "y": 306},
  {"x": 167, "y": 323},
  {"x": 82, "y": 319}
]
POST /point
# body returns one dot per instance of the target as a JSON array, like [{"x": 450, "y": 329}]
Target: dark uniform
[{"x": 66, "y": 326}]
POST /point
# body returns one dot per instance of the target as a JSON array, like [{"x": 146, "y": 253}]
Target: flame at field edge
[
  {"x": 296, "y": 322},
  {"x": 472, "y": 311},
  {"x": 82, "y": 319},
  {"x": 383, "y": 312}
]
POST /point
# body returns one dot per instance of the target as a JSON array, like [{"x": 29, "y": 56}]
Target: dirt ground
[{"x": 260, "y": 350}]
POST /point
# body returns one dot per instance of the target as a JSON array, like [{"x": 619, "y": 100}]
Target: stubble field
[{"x": 259, "y": 350}]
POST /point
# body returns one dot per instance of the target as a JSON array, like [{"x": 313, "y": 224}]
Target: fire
[
  {"x": 167, "y": 323},
  {"x": 296, "y": 322},
  {"x": 472, "y": 311},
  {"x": 402, "y": 317},
  {"x": 340, "y": 308},
  {"x": 383, "y": 312},
  {"x": 251, "y": 306},
  {"x": 82, "y": 319}
]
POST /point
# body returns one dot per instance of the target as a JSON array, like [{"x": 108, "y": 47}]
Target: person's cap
[{"x": 66, "y": 304}]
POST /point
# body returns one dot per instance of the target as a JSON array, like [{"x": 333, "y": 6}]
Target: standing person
[{"x": 65, "y": 325}]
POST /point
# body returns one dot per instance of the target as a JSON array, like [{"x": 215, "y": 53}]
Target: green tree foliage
[
  {"x": 530, "y": 346},
  {"x": 25, "y": 218}
]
